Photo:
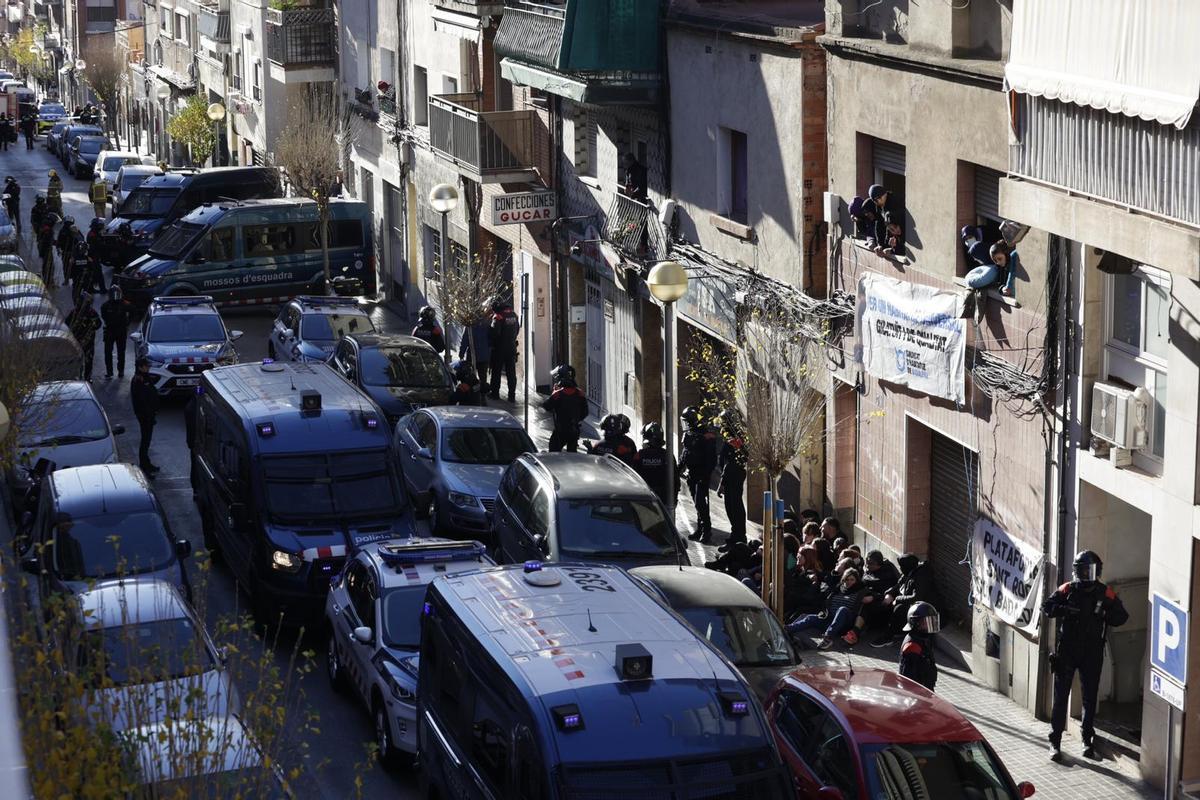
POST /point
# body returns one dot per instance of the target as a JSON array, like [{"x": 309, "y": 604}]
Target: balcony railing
[
  {"x": 483, "y": 143},
  {"x": 633, "y": 228},
  {"x": 301, "y": 37},
  {"x": 213, "y": 23},
  {"x": 533, "y": 33},
  {"x": 1127, "y": 161}
]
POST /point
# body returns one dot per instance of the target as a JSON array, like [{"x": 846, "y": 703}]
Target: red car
[{"x": 867, "y": 734}]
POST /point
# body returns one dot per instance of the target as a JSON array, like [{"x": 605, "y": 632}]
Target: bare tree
[
  {"x": 106, "y": 70},
  {"x": 466, "y": 292},
  {"x": 309, "y": 150}
]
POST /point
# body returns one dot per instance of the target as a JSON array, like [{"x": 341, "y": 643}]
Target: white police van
[
  {"x": 374, "y": 618},
  {"x": 571, "y": 681}
]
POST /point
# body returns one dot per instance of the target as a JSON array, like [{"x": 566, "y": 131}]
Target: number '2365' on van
[{"x": 255, "y": 251}]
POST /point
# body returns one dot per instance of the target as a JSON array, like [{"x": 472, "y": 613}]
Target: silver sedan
[{"x": 453, "y": 457}]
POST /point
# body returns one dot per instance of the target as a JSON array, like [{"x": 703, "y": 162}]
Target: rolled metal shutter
[
  {"x": 955, "y": 474},
  {"x": 888, "y": 156},
  {"x": 987, "y": 193}
]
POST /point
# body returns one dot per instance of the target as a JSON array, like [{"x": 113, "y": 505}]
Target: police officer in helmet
[
  {"x": 467, "y": 389},
  {"x": 732, "y": 459},
  {"x": 428, "y": 329},
  {"x": 1085, "y": 609},
  {"x": 569, "y": 408},
  {"x": 916, "y": 652},
  {"x": 616, "y": 441},
  {"x": 651, "y": 463},
  {"x": 698, "y": 459}
]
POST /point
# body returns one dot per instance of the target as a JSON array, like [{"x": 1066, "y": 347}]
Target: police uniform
[
  {"x": 651, "y": 464},
  {"x": 569, "y": 407},
  {"x": 145, "y": 408},
  {"x": 431, "y": 332},
  {"x": 1084, "y": 611},
  {"x": 916, "y": 660},
  {"x": 731, "y": 462},
  {"x": 83, "y": 322},
  {"x": 502, "y": 337},
  {"x": 699, "y": 457},
  {"x": 620, "y": 446}
]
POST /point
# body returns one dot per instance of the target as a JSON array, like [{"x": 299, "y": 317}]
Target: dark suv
[{"x": 581, "y": 508}]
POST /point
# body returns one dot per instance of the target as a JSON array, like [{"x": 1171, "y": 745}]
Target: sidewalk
[{"x": 1013, "y": 732}]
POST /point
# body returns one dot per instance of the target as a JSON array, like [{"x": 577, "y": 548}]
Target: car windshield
[
  {"x": 614, "y": 527},
  {"x": 175, "y": 240},
  {"x": 52, "y": 110},
  {"x": 91, "y": 146},
  {"x": 941, "y": 769},
  {"x": 149, "y": 202},
  {"x": 147, "y": 652},
  {"x": 484, "y": 445},
  {"x": 131, "y": 180},
  {"x": 58, "y": 422},
  {"x": 748, "y": 636},
  {"x": 413, "y": 367},
  {"x": 110, "y": 545},
  {"x": 402, "y": 617},
  {"x": 58, "y": 128},
  {"x": 332, "y": 486},
  {"x": 328, "y": 327},
  {"x": 186, "y": 328},
  {"x": 114, "y": 163}
]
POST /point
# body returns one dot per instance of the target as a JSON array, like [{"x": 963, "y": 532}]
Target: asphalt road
[{"x": 338, "y": 752}]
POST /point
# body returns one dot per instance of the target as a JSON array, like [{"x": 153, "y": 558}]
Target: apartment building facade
[{"x": 1104, "y": 160}]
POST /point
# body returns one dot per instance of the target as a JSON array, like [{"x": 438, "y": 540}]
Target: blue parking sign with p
[{"x": 1168, "y": 638}]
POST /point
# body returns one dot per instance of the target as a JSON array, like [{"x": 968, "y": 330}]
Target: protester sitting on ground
[
  {"x": 738, "y": 560},
  {"x": 840, "y": 614},
  {"x": 754, "y": 580},
  {"x": 825, "y": 554},
  {"x": 849, "y": 556},
  {"x": 810, "y": 532},
  {"x": 810, "y": 587},
  {"x": 881, "y": 575},
  {"x": 915, "y": 585},
  {"x": 810, "y": 515}
]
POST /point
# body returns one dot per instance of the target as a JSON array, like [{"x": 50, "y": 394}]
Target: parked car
[
  {"x": 109, "y": 162},
  {"x": 48, "y": 115},
  {"x": 858, "y": 734},
  {"x": 85, "y": 150},
  {"x": 183, "y": 337},
  {"x": 307, "y": 327},
  {"x": 128, "y": 178},
  {"x": 581, "y": 508},
  {"x": 8, "y": 233},
  {"x": 154, "y": 661},
  {"x": 55, "y": 134},
  {"x": 70, "y": 134},
  {"x": 99, "y": 522},
  {"x": 453, "y": 458},
  {"x": 401, "y": 373},
  {"x": 731, "y": 616},
  {"x": 64, "y": 422},
  {"x": 373, "y": 615}
]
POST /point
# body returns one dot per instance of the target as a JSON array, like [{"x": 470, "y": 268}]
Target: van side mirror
[
  {"x": 183, "y": 548},
  {"x": 288, "y": 333},
  {"x": 235, "y": 335},
  {"x": 136, "y": 336},
  {"x": 363, "y": 634},
  {"x": 426, "y": 453}
]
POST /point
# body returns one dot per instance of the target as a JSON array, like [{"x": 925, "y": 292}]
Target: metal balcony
[
  {"x": 301, "y": 44},
  {"x": 486, "y": 146},
  {"x": 1130, "y": 162},
  {"x": 476, "y": 8},
  {"x": 633, "y": 228},
  {"x": 213, "y": 23}
]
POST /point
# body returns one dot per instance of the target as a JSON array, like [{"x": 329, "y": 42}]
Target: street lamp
[
  {"x": 216, "y": 112},
  {"x": 443, "y": 198},
  {"x": 163, "y": 92},
  {"x": 668, "y": 282}
]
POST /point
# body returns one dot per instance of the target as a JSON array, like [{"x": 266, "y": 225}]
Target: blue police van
[
  {"x": 292, "y": 471},
  {"x": 571, "y": 681},
  {"x": 256, "y": 251}
]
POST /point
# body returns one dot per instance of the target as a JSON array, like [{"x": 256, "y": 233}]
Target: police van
[
  {"x": 291, "y": 472},
  {"x": 570, "y": 681},
  {"x": 256, "y": 251}
]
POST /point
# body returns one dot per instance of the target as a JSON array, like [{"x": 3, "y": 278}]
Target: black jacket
[
  {"x": 115, "y": 314},
  {"x": 569, "y": 407},
  {"x": 731, "y": 463},
  {"x": 467, "y": 394},
  {"x": 881, "y": 580},
  {"x": 916, "y": 581},
  {"x": 622, "y": 447},
  {"x": 145, "y": 397},
  {"x": 1084, "y": 615},
  {"x": 502, "y": 335},
  {"x": 699, "y": 455},
  {"x": 83, "y": 322},
  {"x": 432, "y": 334},
  {"x": 651, "y": 463},
  {"x": 916, "y": 660}
]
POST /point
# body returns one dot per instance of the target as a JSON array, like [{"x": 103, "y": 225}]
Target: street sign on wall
[
  {"x": 1168, "y": 638},
  {"x": 1167, "y": 689},
  {"x": 524, "y": 207}
]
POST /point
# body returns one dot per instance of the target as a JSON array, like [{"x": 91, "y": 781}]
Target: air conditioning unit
[{"x": 1120, "y": 416}]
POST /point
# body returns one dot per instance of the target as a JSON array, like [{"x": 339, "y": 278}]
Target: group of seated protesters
[{"x": 830, "y": 587}]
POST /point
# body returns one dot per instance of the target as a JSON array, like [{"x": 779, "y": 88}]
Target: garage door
[{"x": 955, "y": 474}]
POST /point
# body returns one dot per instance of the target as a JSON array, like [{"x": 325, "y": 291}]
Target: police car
[
  {"x": 308, "y": 327},
  {"x": 183, "y": 337},
  {"x": 374, "y": 616},
  {"x": 571, "y": 681}
]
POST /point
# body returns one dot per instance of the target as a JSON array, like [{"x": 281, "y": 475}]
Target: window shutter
[{"x": 888, "y": 156}]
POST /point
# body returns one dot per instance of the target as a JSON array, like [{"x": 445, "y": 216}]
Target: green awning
[{"x": 546, "y": 80}]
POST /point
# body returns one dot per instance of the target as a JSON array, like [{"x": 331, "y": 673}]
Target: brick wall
[{"x": 816, "y": 166}]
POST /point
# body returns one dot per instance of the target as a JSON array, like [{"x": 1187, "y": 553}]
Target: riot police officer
[
  {"x": 467, "y": 391},
  {"x": 651, "y": 463},
  {"x": 916, "y": 652},
  {"x": 699, "y": 458},
  {"x": 428, "y": 330},
  {"x": 502, "y": 338},
  {"x": 569, "y": 408},
  {"x": 1085, "y": 609},
  {"x": 616, "y": 441}
]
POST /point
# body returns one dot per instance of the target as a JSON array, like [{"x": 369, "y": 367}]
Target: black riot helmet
[
  {"x": 690, "y": 416},
  {"x": 652, "y": 435},
  {"x": 427, "y": 314},
  {"x": 615, "y": 425},
  {"x": 923, "y": 618},
  {"x": 731, "y": 422},
  {"x": 563, "y": 375},
  {"x": 1087, "y": 567}
]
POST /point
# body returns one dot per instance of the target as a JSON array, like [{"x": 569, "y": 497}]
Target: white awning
[
  {"x": 1131, "y": 57},
  {"x": 464, "y": 26}
]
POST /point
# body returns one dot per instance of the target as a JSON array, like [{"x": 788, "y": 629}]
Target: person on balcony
[{"x": 634, "y": 180}]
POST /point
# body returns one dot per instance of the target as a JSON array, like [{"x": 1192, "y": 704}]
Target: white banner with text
[{"x": 1006, "y": 576}]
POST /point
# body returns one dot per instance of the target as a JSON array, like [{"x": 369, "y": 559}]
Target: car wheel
[
  {"x": 333, "y": 666},
  {"x": 389, "y": 756},
  {"x": 420, "y": 510},
  {"x": 270, "y": 348},
  {"x": 264, "y": 609}
]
